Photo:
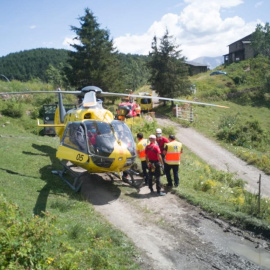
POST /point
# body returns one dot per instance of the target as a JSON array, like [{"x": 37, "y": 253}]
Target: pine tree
[
  {"x": 261, "y": 40},
  {"x": 94, "y": 61},
  {"x": 169, "y": 74}
]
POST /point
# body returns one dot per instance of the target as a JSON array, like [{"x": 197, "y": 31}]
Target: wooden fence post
[{"x": 259, "y": 195}]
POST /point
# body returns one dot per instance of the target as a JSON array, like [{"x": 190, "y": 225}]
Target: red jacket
[
  {"x": 161, "y": 141},
  {"x": 152, "y": 150}
]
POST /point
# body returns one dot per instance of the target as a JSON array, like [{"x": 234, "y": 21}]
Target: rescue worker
[
  {"x": 92, "y": 135},
  {"x": 140, "y": 147},
  {"x": 154, "y": 162},
  {"x": 173, "y": 151},
  {"x": 161, "y": 140}
]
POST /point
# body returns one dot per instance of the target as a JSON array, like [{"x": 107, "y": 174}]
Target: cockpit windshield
[
  {"x": 97, "y": 138},
  {"x": 100, "y": 138},
  {"x": 124, "y": 134},
  {"x": 146, "y": 101}
]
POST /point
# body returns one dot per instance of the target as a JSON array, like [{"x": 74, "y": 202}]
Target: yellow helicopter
[{"x": 91, "y": 138}]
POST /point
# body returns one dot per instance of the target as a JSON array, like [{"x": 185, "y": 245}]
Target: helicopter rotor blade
[
  {"x": 98, "y": 92},
  {"x": 41, "y": 92},
  {"x": 162, "y": 98}
]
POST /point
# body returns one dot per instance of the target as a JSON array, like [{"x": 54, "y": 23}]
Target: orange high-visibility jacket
[
  {"x": 141, "y": 148},
  {"x": 174, "y": 150}
]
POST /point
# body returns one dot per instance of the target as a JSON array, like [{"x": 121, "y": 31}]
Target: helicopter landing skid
[
  {"x": 129, "y": 179},
  {"x": 74, "y": 184}
]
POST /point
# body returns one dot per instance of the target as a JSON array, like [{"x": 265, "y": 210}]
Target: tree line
[
  {"x": 95, "y": 61},
  {"x": 49, "y": 66}
]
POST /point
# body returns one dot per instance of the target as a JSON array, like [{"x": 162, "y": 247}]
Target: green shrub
[
  {"x": 24, "y": 242},
  {"x": 34, "y": 243},
  {"x": 168, "y": 130},
  {"x": 34, "y": 113},
  {"x": 13, "y": 108},
  {"x": 249, "y": 134},
  {"x": 139, "y": 124}
]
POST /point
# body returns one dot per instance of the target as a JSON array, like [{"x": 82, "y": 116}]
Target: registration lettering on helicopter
[{"x": 71, "y": 154}]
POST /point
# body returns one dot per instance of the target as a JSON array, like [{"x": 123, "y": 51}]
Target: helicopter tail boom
[{"x": 49, "y": 125}]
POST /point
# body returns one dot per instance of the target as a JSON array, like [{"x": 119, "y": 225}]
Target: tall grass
[{"x": 44, "y": 224}]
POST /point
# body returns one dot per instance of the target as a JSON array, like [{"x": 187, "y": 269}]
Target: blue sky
[{"x": 200, "y": 27}]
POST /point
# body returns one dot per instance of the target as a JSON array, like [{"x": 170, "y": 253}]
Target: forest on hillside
[
  {"x": 31, "y": 64},
  {"x": 37, "y": 64}
]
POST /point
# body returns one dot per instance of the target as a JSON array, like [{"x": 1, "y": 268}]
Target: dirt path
[
  {"x": 219, "y": 157},
  {"x": 170, "y": 233}
]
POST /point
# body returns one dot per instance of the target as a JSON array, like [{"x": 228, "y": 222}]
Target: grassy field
[
  {"x": 209, "y": 119},
  {"x": 82, "y": 239},
  {"x": 80, "y": 233}
]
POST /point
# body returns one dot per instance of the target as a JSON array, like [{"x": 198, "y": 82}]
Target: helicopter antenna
[{"x": 62, "y": 110}]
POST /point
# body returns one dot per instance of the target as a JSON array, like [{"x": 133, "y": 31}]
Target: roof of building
[
  {"x": 191, "y": 63},
  {"x": 246, "y": 38}
]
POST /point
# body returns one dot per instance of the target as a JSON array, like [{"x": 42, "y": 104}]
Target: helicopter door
[{"x": 73, "y": 146}]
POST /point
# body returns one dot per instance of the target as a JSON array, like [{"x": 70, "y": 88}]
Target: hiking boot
[
  {"x": 161, "y": 193},
  {"x": 151, "y": 190}
]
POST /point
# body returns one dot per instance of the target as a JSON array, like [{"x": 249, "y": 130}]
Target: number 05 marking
[{"x": 79, "y": 157}]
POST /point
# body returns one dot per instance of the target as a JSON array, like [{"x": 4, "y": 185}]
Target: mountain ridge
[{"x": 210, "y": 62}]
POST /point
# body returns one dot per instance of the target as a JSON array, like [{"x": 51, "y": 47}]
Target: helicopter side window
[{"x": 74, "y": 137}]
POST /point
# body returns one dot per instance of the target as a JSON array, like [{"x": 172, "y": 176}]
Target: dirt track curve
[
  {"x": 219, "y": 157},
  {"x": 170, "y": 233}
]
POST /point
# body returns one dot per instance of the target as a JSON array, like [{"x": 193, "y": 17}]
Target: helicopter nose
[{"x": 121, "y": 157}]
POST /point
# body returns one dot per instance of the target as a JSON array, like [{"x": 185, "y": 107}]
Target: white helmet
[{"x": 158, "y": 130}]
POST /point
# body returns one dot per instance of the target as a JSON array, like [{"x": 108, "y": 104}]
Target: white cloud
[
  {"x": 134, "y": 44},
  {"x": 69, "y": 41},
  {"x": 32, "y": 26},
  {"x": 258, "y": 4},
  {"x": 199, "y": 30}
]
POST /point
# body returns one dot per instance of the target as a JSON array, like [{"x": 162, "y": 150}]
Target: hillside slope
[{"x": 218, "y": 157}]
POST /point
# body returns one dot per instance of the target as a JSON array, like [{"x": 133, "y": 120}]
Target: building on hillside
[
  {"x": 195, "y": 68},
  {"x": 239, "y": 50}
]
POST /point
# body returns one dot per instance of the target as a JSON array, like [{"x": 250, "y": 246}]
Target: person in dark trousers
[
  {"x": 173, "y": 151},
  {"x": 154, "y": 162},
  {"x": 140, "y": 147},
  {"x": 161, "y": 140}
]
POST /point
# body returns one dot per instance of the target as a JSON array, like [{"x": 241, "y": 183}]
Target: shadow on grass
[
  {"x": 16, "y": 173},
  {"x": 53, "y": 183},
  {"x": 95, "y": 188}
]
